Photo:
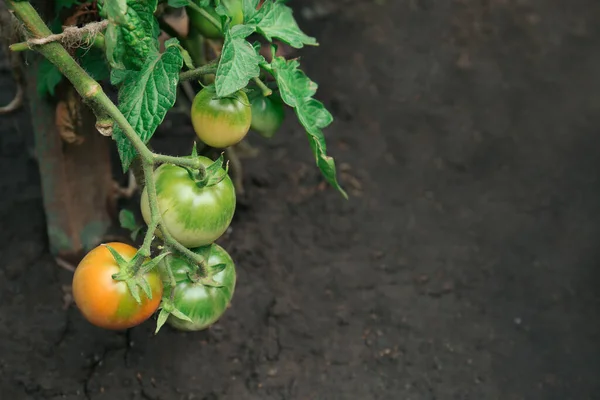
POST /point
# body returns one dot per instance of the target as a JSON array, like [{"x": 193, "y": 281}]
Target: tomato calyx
[
  {"x": 211, "y": 175},
  {"x": 167, "y": 307},
  {"x": 132, "y": 272},
  {"x": 197, "y": 278}
]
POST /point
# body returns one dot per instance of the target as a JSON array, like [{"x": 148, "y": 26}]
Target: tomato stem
[
  {"x": 105, "y": 110},
  {"x": 266, "y": 91},
  {"x": 206, "y": 15},
  {"x": 199, "y": 72}
]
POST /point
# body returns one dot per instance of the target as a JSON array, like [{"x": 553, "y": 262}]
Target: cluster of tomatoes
[{"x": 196, "y": 213}]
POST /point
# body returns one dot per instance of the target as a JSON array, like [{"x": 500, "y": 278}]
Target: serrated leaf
[
  {"x": 48, "y": 77},
  {"x": 94, "y": 62},
  {"x": 250, "y": 9},
  {"x": 239, "y": 62},
  {"x": 111, "y": 42},
  {"x": 296, "y": 90},
  {"x": 276, "y": 20},
  {"x": 117, "y": 76},
  {"x": 131, "y": 40},
  {"x": 293, "y": 83},
  {"x": 127, "y": 220},
  {"x": 145, "y": 99},
  {"x": 115, "y": 10}
]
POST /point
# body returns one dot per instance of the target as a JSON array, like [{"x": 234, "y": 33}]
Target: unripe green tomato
[
  {"x": 195, "y": 216},
  {"x": 221, "y": 123},
  {"x": 207, "y": 28},
  {"x": 204, "y": 305},
  {"x": 267, "y": 114}
]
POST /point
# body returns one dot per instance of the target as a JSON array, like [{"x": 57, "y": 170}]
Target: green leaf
[
  {"x": 295, "y": 87},
  {"x": 239, "y": 62},
  {"x": 111, "y": 43},
  {"x": 146, "y": 97},
  {"x": 250, "y": 9},
  {"x": 117, "y": 76},
  {"x": 127, "y": 220},
  {"x": 94, "y": 62},
  {"x": 132, "y": 38},
  {"x": 60, "y": 4},
  {"x": 276, "y": 20},
  {"x": 178, "y": 3},
  {"x": 48, "y": 77},
  {"x": 297, "y": 91},
  {"x": 115, "y": 10}
]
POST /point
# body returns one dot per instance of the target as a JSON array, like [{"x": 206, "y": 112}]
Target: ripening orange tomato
[{"x": 108, "y": 303}]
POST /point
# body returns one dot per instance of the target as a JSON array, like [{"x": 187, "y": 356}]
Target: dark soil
[{"x": 464, "y": 266}]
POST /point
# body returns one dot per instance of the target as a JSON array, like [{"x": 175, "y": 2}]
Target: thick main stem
[{"x": 102, "y": 106}]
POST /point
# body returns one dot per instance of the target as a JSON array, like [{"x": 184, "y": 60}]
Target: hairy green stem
[
  {"x": 206, "y": 15},
  {"x": 266, "y": 91},
  {"x": 197, "y": 73},
  {"x": 104, "y": 108}
]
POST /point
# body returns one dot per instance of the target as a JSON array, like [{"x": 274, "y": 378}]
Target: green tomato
[
  {"x": 234, "y": 9},
  {"x": 267, "y": 114},
  {"x": 221, "y": 122},
  {"x": 203, "y": 304},
  {"x": 193, "y": 214}
]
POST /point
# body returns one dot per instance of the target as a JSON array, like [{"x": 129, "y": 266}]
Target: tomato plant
[
  {"x": 187, "y": 202},
  {"x": 267, "y": 114},
  {"x": 195, "y": 210},
  {"x": 221, "y": 122},
  {"x": 108, "y": 303},
  {"x": 203, "y": 300}
]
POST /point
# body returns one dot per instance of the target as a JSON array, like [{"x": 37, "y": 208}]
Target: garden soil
[{"x": 465, "y": 264}]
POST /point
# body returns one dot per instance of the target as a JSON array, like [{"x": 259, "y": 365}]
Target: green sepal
[
  {"x": 215, "y": 269},
  {"x": 150, "y": 265},
  {"x": 210, "y": 282},
  {"x": 118, "y": 258},
  {"x": 215, "y": 172},
  {"x": 167, "y": 307}
]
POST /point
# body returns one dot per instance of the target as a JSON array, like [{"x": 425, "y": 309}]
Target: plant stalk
[
  {"x": 103, "y": 107},
  {"x": 205, "y": 14}
]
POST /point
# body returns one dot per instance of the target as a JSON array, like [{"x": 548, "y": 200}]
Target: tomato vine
[{"x": 187, "y": 202}]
